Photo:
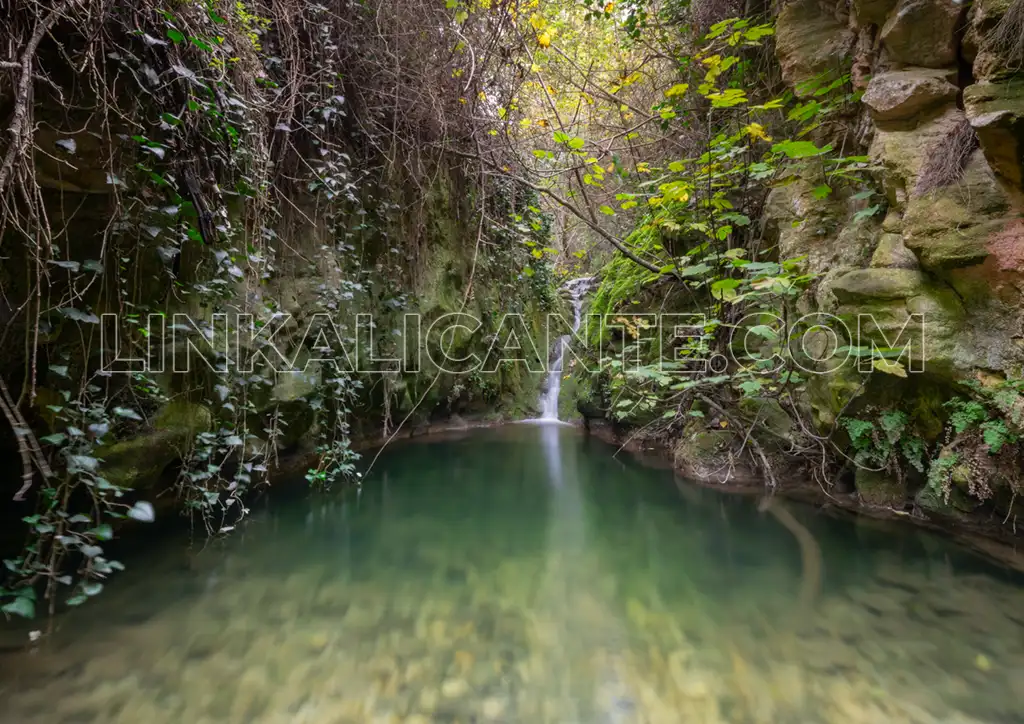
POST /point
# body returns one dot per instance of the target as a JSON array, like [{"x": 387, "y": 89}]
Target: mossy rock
[
  {"x": 830, "y": 393},
  {"x": 777, "y": 423},
  {"x": 996, "y": 111},
  {"x": 956, "y": 506},
  {"x": 902, "y": 152},
  {"x": 183, "y": 416},
  {"x": 891, "y": 252},
  {"x": 951, "y": 227},
  {"x": 879, "y": 489},
  {"x": 700, "y": 451},
  {"x": 878, "y": 284},
  {"x": 140, "y": 460}
]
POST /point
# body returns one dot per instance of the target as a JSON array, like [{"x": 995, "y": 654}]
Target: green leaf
[
  {"x": 696, "y": 269},
  {"x": 175, "y": 35},
  {"x": 798, "y": 149},
  {"x": 750, "y": 387},
  {"x": 103, "y": 532},
  {"x": 725, "y": 289},
  {"x": 575, "y": 143},
  {"x": 142, "y": 511},
  {"x": 21, "y": 606},
  {"x": 127, "y": 412},
  {"x": 763, "y": 330},
  {"x": 79, "y": 316},
  {"x": 607, "y": 210},
  {"x": 822, "y": 191}
]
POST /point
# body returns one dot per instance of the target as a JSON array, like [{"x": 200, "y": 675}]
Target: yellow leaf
[
  {"x": 544, "y": 40},
  {"x": 723, "y": 423},
  {"x": 534, "y": 68},
  {"x": 462, "y": 100},
  {"x": 609, "y": 7},
  {"x": 482, "y": 96},
  {"x": 542, "y": 122},
  {"x": 677, "y": 90},
  {"x": 756, "y": 130},
  {"x": 890, "y": 368},
  {"x": 537, "y": 21},
  {"x": 982, "y": 662}
]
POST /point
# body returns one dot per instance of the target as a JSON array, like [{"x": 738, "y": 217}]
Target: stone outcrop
[
  {"x": 944, "y": 268},
  {"x": 951, "y": 226},
  {"x": 812, "y": 41},
  {"x": 907, "y": 94},
  {"x": 923, "y": 32},
  {"x": 996, "y": 111}
]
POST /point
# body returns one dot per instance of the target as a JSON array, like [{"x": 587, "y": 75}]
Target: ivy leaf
[
  {"x": 63, "y": 264},
  {"x": 142, "y": 511},
  {"x": 128, "y": 413},
  {"x": 82, "y": 463},
  {"x": 21, "y": 606},
  {"x": 79, "y": 316}
]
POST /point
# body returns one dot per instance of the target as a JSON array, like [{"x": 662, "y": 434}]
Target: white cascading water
[{"x": 549, "y": 397}]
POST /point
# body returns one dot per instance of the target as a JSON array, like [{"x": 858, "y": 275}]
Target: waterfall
[{"x": 549, "y": 397}]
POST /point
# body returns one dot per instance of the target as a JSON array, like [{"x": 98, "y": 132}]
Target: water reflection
[{"x": 523, "y": 575}]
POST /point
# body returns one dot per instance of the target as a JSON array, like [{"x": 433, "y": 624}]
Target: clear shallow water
[{"x": 523, "y": 575}]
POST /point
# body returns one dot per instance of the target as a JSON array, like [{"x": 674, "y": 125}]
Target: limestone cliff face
[{"x": 942, "y": 117}]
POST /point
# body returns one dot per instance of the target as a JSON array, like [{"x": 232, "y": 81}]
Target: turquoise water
[{"x": 524, "y": 574}]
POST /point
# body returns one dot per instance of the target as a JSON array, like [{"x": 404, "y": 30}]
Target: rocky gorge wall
[
  {"x": 933, "y": 251},
  {"x": 942, "y": 120}
]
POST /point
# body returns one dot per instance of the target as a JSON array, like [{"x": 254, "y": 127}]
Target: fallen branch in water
[{"x": 810, "y": 553}]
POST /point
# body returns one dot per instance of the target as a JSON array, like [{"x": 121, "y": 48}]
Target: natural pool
[{"x": 522, "y": 574}]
